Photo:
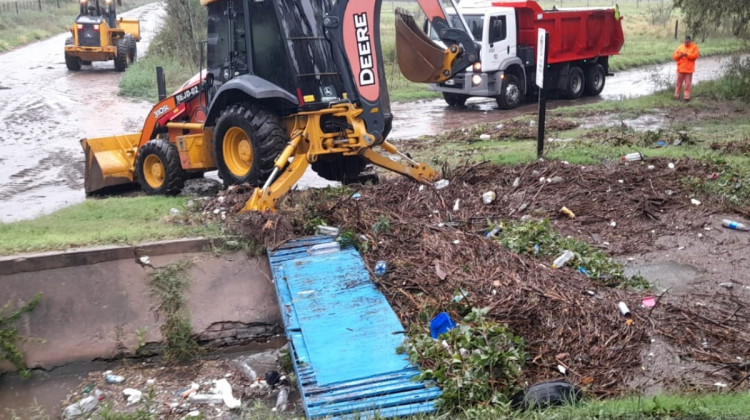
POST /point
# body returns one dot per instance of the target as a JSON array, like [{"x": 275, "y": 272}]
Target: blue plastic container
[{"x": 440, "y": 324}]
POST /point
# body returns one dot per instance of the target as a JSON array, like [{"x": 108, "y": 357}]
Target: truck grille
[
  {"x": 456, "y": 83},
  {"x": 88, "y": 37}
]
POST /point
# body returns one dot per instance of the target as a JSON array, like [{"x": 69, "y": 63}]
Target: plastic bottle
[
  {"x": 381, "y": 267},
  {"x": 282, "y": 399},
  {"x": 84, "y": 405},
  {"x": 560, "y": 261},
  {"x": 632, "y": 157},
  {"x": 734, "y": 225},
  {"x": 114, "y": 379},
  {"x": 488, "y": 197},
  {"x": 492, "y": 233},
  {"x": 328, "y": 230},
  {"x": 325, "y": 248}
]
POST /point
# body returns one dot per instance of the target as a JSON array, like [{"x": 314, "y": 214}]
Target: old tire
[
  {"x": 122, "y": 59},
  {"x": 158, "y": 169},
  {"x": 511, "y": 93},
  {"x": 455, "y": 99},
  {"x": 247, "y": 141},
  {"x": 546, "y": 394},
  {"x": 595, "y": 78},
  {"x": 72, "y": 63},
  {"x": 345, "y": 169},
  {"x": 132, "y": 48},
  {"x": 575, "y": 83}
]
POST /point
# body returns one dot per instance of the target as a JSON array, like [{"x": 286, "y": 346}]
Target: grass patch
[
  {"x": 9, "y": 335},
  {"x": 139, "y": 81},
  {"x": 33, "y": 25},
  {"x": 124, "y": 221}
]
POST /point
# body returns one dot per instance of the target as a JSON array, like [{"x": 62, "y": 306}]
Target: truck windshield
[{"x": 475, "y": 22}]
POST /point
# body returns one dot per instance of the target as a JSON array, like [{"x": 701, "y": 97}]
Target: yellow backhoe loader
[
  {"x": 98, "y": 35},
  {"x": 289, "y": 84}
]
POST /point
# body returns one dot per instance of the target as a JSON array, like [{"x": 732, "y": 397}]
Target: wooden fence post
[
  {"x": 676, "y": 24},
  {"x": 40, "y": 5}
]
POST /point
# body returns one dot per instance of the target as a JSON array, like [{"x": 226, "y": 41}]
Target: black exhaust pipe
[{"x": 161, "y": 85}]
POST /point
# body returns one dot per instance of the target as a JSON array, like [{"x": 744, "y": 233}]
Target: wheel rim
[
  {"x": 153, "y": 171},
  {"x": 512, "y": 94},
  {"x": 576, "y": 83},
  {"x": 238, "y": 152},
  {"x": 598, "y": 80}
]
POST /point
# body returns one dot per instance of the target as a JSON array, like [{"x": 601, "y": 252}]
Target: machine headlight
[
  {"x": 476, "y": 79},
  {"x": 477, "y": 66}
]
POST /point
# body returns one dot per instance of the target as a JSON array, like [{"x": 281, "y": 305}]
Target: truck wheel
[
  {"x": 72, "y": 63},
  {"x": 575, "y": 83},
  {"x": 455, "y": 99},
  {"x": 511, "y": 93},
  {"x": 132, "y": 48},
  {"x": 595, "y": 79},
  {"x": 158, "y": 169},
  {"x": 247, "y": 141},
  {"x": 122, "y": 59},
  {"x": 345, "y": 169}
]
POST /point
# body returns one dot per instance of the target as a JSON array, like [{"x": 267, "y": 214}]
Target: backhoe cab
[
  {"x": 289, "y": 84},
  {"x": 97, "y": 35}
]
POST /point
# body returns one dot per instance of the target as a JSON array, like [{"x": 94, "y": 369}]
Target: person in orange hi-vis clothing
[{"x": 685, "y": 56}]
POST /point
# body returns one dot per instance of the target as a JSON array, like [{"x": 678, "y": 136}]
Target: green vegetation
[
  {"x": 538, "y": 238},
  {"x": 31, "y": 25},
  {"x": 123, "y": 220},
  {"x": 475, "y": 364},
  {"x": 9, "y": 334},
  {"x": 168, "y": 286}
]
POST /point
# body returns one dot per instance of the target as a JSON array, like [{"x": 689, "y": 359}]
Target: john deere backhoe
[
  {"x": 97, "y": 35},
  {"x": 289, "y": 84}
]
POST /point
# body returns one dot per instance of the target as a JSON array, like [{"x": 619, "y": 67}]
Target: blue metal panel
[{"x": 344, "y": 336}]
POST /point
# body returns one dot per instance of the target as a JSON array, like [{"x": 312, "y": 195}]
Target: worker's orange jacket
[{"x": 686, "y": 64}]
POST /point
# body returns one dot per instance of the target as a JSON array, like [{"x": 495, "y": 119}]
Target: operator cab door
[
  {"x": 227, "y": 43},
  {"x": 498, "y": 39}
]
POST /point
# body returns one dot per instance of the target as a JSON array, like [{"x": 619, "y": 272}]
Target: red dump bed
[{"x": 574, "y": 34}]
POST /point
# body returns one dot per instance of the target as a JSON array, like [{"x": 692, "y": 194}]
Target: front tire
[
  {"x": 247, "y": 141},
  {"x": 132, "y": 49},
  {"x": 122, "y": 59},
  {"x": 575, "y": 84},
  {"x": 455, "y": 99},
  {"x": 595, "y": 79},
  {"x": 158, "y": 168},
  {"x": 71, "y": 62},
  {"x": 511, "y": 94}
]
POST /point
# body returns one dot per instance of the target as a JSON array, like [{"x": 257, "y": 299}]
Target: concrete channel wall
[{"x": 96, "y": 302}]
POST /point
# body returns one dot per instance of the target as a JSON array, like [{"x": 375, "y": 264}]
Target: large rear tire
[
  {"x": 247, "y": 141},
  {"x": 345, "y": 169},
  {"x": 455, "y": 99},
  {"x": 511, "y": 93},
  {"x": 71, "y": 62},
  {"x": 595, "y": 79},
  {"x": 132, "y": 49},
  {"x": 574, "y": 86},
  {"x": 122, "y": 60},
  {"x": 158, "y": 169}
]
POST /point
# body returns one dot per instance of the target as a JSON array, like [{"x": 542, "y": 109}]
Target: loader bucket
[
  {"x": 109, "y": 161},
  {"x": 419, "y": 58}
]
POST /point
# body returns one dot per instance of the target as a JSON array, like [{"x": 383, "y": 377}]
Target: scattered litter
[
  {"x": 245, "y": 368},
  {"x": 624, "y": 310},
  {"x": 493, "y": 232},
  {"x": 484, "y": 137},
  {"x": 456, "y": 204},
  {"x": 661, "y": 143},
  {"x": 713, "y": 177},
  {"x": 205, "y": 398},
  {"x": 562, "y": 369},
  {"x": 82, "y": 406},
  {"x": 555, "y": 180},
  {"x": 439, "y": 185},
  {"x": 632, "y": 157},
  {"x": 173, "y": 211},
  {"x": 620, "y": 181},
  {"x": 734, "y": 225},
  {"x": 187, "y": 391},
  {"x": 526, "y": 218},
  {"x": 542, "y": 180},
  {"x": 456, "y": 242},
  {"x": 560, "y": 261},
  {"x": 134, "y": 395},
  {"x": 566, "y": 211},
  {"x": 727, "y": 285},
  {"x": 225, "y": 389},
  {"x": 671, "y": 165},
  {"x": 113, "y": 379},
  {"x": 326, "y": 248},
  {"x": 440, "y": 324},
  {"x": 327, "y": 230},
  {"x": 272, "y": 378},
  {"x": 516, "y": 182},
  {"x": 145, "y": 260},
  {"x": 548, "y": 394},
  {"x": 650, "y": 167},
  {"x": 380, "y": 268},
  {"x": 150, "y": 381},
  {"x": 536, "y": 249},
  {"x": 281, "y": 400},
  {"x": 613, "y": 223},
  {"x": 648, "y": 302},
  {"x": 357, "y": 195},
  {"x": 695, "y": 202},
  {"x": 488, "y": 197},
  {"x": 583, "y": 271},
  {"x": 194, "y": 413},
  {"x": 421, "y": 187},
  {"x": 720, "y": 385}
]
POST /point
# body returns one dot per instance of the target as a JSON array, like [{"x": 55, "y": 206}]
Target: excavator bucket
[
  {"x": 419, "y": 58},
  {"x": 109, "y": 161}
]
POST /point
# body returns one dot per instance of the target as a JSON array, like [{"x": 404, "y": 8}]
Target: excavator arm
[{"x": 353, "y": 30}]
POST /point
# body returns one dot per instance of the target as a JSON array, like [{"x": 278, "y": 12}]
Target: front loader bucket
[
  {"x": 419, "y": 59},
  {"x": 109, "y": 161}
]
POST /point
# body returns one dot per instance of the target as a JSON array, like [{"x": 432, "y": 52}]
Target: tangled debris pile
[{"x": 439, "y": 259}]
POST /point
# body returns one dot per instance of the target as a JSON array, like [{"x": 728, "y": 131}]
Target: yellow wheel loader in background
[
  {"x": 97, "y": 35},
  {"x": 289, "y": 84}
]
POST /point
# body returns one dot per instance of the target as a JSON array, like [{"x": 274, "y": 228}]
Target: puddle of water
[{"x": 646, "y": 122}]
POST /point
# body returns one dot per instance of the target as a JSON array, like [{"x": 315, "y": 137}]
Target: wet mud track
[{"x": 45, "y": 111}]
